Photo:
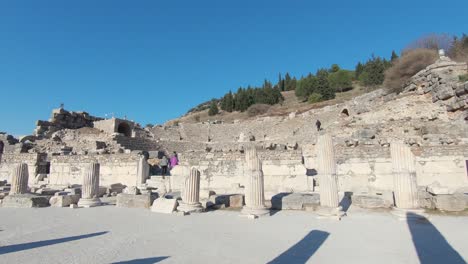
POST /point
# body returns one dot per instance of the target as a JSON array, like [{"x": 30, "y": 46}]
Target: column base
[
  {"x": 409, "y": 214},
  {"x": 331, "y": 212},
  {"x": 89, "y": 202},
  {"x": 255, "y": 212},
  {"x": 190, "y": 208}
]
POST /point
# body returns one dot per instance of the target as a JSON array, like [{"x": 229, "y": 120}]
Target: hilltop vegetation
[{"x": 326, "y": 83}]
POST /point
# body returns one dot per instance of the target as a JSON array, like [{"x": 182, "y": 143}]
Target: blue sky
[{"x": 154, "y": 60}]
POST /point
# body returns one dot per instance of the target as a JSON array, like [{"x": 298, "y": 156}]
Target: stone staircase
[{"x": 130, "y": 143}]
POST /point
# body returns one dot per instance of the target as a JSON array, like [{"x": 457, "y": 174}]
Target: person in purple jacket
[{"x": 174, "y": 161}]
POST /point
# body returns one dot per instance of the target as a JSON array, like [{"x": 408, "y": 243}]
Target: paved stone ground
[{"x": 120, "y": 235}]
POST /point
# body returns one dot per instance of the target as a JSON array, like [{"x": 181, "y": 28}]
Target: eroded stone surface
[
  {"x": 294, "y": 201},
  {"x": 164, "y": 205},
  {"x": 25, "y": 201},
  {"x": 134, "y": 201}
]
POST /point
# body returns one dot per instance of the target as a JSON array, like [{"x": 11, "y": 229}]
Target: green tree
[
  {"x": 340, "y": 80},
  {"x": 281, "y": 83},
  {"x": 314, "y": 98},
  {"x": 229, "y": 102},
  {"x": 323, "y": 85},
  {"x": 213, "y": 108},
  {"x": 334, "y": 68},
  {"x": 374, "y": 68},
  {"x": 394, "y": 56},
  {"x": 306, "y": 86},
  {"x": 358, "y": 70}
]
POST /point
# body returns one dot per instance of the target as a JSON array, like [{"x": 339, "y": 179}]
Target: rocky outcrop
[
  {"x": 62, "y": 119},
  {"x": 441, "y": 80}
]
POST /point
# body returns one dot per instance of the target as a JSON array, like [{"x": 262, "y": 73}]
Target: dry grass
[
  {"x": 257, "y": 109},
  {"x": 406, "y": 66}
]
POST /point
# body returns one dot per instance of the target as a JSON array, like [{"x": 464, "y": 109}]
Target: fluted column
[
  {"x": 404, "y": 176},
  {"x": 254, "y": 192},
  {"x": 142, "y": 170},
  {"x": 328, "y": 180},
  {"x": 191, "y": 193},
  {"x": 19, "y": 184},
  {"x": 90, "y": 188}
]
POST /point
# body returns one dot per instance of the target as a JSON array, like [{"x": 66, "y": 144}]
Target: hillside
[{"x": 290, "y": 104}]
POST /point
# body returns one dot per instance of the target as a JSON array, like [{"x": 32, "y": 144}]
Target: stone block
[
  {"x": 134, "y": 201},
  {"x": 370, "y": 201},
  {"x": 236, "y": 200},
  {"x": 435, "y": 188},
  {"x": 206, "y": 204},
  {"x": 74, "y": 190},
  {"x": 450, "y": 203},
  {"x": 64, "y": 200},
  {"x": 444, "y": 92},
  {"x": 205, "y": 194},
  {"x": 47, "y": 191},
  {"x": 219, "y": 199},
  {"x": 294, "y": 201},
  {"x": 3, "y": 194},
  {"x": 61, "y": 193},
  {"x": 163, "y": 205},
  {"x": 115, "y": 188},
  {"x": 426, "y": 200},
  {"x": 102, "y": 191},
  {"x": 25, "y": 201},
  {"x": 132, "y": 190}
]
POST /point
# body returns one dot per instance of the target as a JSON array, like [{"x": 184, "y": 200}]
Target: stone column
[
  {"x": 405, "y": 188},
  {"x": 19, "y": 183},
  {"x": 90, "y": 188},
  {"x": 191, "y": 193},
  {"x": 328, "y": 180},
  {"x": 142, "y": 171},
  {"x": 254, "y": 192}
]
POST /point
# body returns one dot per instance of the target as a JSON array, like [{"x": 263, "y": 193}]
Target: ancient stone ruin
[{"x": 407, "y": 151}]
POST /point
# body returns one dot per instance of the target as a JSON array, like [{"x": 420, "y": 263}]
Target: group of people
[{"x": 166, "y": 163}]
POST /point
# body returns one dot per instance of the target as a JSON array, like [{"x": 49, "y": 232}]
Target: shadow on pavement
[
  {"x": 302, "y": 250},
  {"x": 44, "y": 243},
  {"x": 430, "y": 244}
]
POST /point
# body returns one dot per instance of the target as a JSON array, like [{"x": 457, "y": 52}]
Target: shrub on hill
[
  {"x": 315, "y": 98},
  {"x": 257, "y": 109},
  {"x": 213, "y": 108},
  {"x": 410, "y": 63}
]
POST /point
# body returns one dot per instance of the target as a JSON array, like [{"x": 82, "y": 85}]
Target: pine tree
[
  {"x": 394, "y": 56},
  {"x": 229, "y": 102},
  {"x": 213, "y": 108},
  {"x": 323, "y": 85},
  {"x": 334, "y": 68},
  {"x": 374, "y": 70},
  {"x": 359, "y": 69},
  {"x": 280, "y": 83}
]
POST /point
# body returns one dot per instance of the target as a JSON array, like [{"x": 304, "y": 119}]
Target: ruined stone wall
[
  {"x": 371, "y": 170},
  {"x": 115, "y": 168},
  {"x": 360, "y": 169},
  {"x": 61, "y": 119},
  {"x": 8, "y": 143},
  {"x": 225, "y": 172},
  {"x": 8, "y": 161}
]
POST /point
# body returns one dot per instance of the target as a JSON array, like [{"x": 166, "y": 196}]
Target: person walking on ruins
[
  {"x": 174, "y": 161},
  {"x": 163, "y": 163},
  {"x": 318, "y": 124}
]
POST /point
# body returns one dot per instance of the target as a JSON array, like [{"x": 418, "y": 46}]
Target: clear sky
[{"x": 153, "y": 60}]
